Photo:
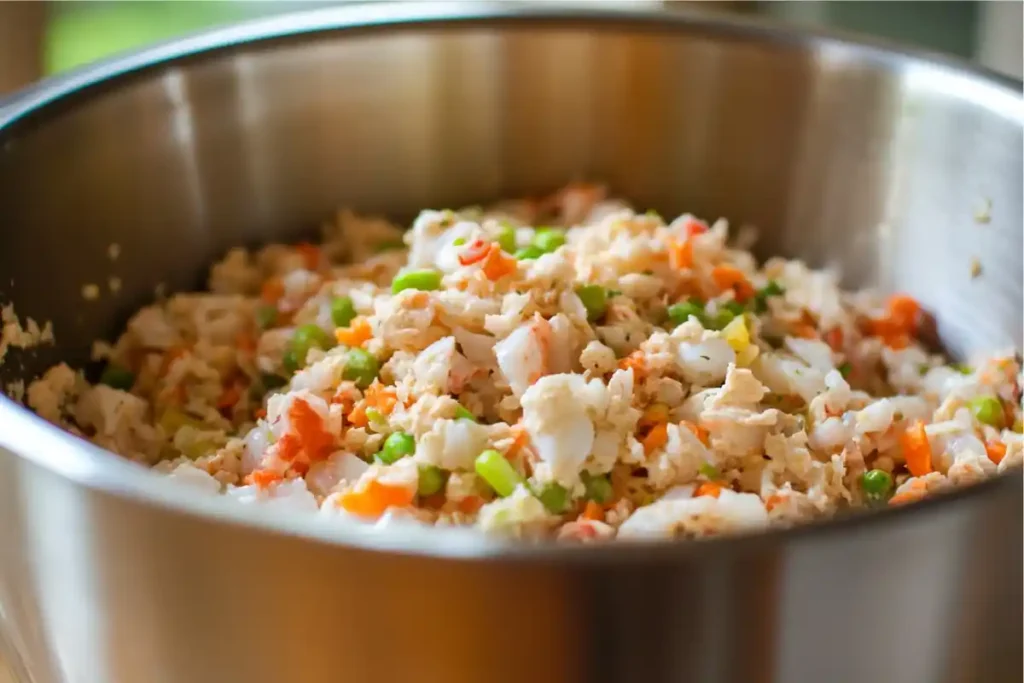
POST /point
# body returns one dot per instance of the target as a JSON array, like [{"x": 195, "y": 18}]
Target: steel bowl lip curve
[{"x": 30, "y": 437}]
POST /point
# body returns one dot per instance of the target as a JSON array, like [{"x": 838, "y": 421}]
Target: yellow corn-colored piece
[{"x": 736, "y": 334}]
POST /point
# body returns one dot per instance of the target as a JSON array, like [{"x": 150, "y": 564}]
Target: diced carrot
[
  {"x": 695, "y": 227},
  {"x": 246, "y": 343},
  {"x": 520, "y": 437},
  {"x": 773, "y": 500},
  {"x": 996, "y": 451},
  {"x": 698, "y": 431},
  {"x": 653, "y": 414},
  {"x": 470, "y": 505},
  {"x": 905, "y": 312},
  {"x": 474, "y": 252},
  {"x": 376, "y": 498},
  {"x": 262, "y": 478},
  {"x": 356, "y": 334},
  {"x": 804, "y": 330},
  {"x": 708, "y": 488},
  {"x": 272, "y": 290},
  {"x": 307, "y": 435},
  {"x": 635, "y": 361},
  {"x": 357, "y": 417},
  {"x": 310, "y": 255},
  {"x": 730, "y": 277},
  {"x": 656, "y": 438},
  {"x": 498, "y": 265},
  {"x": 917, "y": 452},
  {"x": 231, "y": 395},
  {"x": 834, "y": 338},
  {"x": 680, "y": 253},
  {"x": 381, "y": 397},
  {"x": 593, "y": 512},
  {"x": 259, "y": 413}
]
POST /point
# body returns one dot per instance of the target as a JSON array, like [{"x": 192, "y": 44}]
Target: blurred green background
[{"x": 80, "y": 32}]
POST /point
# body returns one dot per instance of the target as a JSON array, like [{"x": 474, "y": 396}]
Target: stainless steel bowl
[{"x": 871, "y": 160}]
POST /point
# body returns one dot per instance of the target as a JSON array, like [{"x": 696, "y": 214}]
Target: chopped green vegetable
[
  {"x": 555, "y": 498},
  {"x": 598, "y": 487},
  {"x": 709, "y": 471},
  {"x": 342, "y": 311},
  {"x": 845, "y": 369},
  {"x": 266, "y": 316},
  {"x": 117, "y": 377},
  {"x": 360, "y": 367},
  {"x": 548, "y": 239},
  {"x": 374, "y": 415},
  {"x": 679, "y": 313},
  {"x": 653, "y": 214},
  {"x": 497, "y": 472},
  {"x": 423, "y": 280},
  {"x": 309, "y": 336},
  {"x": 272, "y": 381},
  {"x": 389, "y": 245},
  {"x": 595, "y": 300},
  {"x": 876, "y": 484},
  {"x": 432, "y": 480},
  {"x": 458, "y": 241},
  {"x": 461, "y": 413},
  {"x": 962, "y": 368},
  {"x": 734, "y": 307},
  {"x": 987, "y": 410},
  {"x": 529, "y": 253},
  {"x": 396, "y": 446},
  {"x": 507, "y": 238},
  {"x": 773, "y": 288}
]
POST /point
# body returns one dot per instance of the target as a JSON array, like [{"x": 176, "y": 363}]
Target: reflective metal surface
[{"x": 868, "y": 160}]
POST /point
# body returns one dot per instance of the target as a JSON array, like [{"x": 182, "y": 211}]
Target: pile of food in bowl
[{"x": 563, "y": 367}]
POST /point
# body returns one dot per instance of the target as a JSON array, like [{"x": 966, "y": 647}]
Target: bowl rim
[{"x": 29, "y": 437}]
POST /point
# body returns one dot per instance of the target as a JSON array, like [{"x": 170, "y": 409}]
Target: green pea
[
  {"x": 987, "y": 410},
  {"x": 360, "y": 367},
  {"x": 718, "y": 321},
  {"x": 497, "y": 472},
  {"x": 876, "y": 484},
  {"x": 555, "y": 498},
  {"x": 529, "y": 253},
  {"x": 507, "y": 238},
  {"x": 396, "y": 446},
  {"x": 307, "y": 337},
  {"x": 290, "y": 361},
  {"x": 548, "y": 239},
  {"x": 595, "y": 300},
  {"x": 423, "y": 280},
  {"x": 734, "y": 307},
  {"x": 266, "y": 316},
  {"x": 679, "y": 313},
  {"x": 374, "y": 416},
  {"x": 432, "y": 480},
  {"x": 117, "y": 377},
  {"x": 342, "y": 311},
  {"x": 598, "y": 487},
  {"x": 461, "y": 413}
]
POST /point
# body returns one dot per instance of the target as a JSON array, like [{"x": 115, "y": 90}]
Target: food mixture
[{"x": 563, "y": 367}]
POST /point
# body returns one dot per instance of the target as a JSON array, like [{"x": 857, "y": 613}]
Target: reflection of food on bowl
[{"x": 563, "y": 367}]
